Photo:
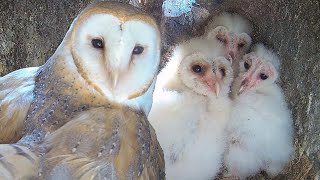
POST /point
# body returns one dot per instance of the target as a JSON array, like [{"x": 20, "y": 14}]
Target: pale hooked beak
[
  {"x": 229, "y": 58},
  {"x": 219, "y": 78},
  {"x": 115, "y": 79},
  {"x": 217, "y": 89},
  {"x": 243, "y": 85},
  {"x": 212, "y": 80}
]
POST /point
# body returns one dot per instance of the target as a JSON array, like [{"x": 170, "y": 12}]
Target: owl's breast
[{"x": 104, "y": 142}]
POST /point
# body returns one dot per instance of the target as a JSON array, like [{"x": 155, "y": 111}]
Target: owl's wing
[
  {"x": 18, "y": 162},
  {"x": 110, "y": 143},
  {"x": 16, "y": 95},
  {"x": 155, "y": 168}
]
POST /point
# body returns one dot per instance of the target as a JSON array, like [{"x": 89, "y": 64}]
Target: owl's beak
[
  {"x": 232, "y": 48},
  {"x": 229, "y": 58},
  {"x": 114, "y": 80},
  {"x": 218, "y": 80},
  {"x": 217, "y": 89},
  {"x": 212, "y": 81},
  {"x": 247, "y": 83},
  {"x": 247, "y": 80},
  {"x": 243, "y": 86}
]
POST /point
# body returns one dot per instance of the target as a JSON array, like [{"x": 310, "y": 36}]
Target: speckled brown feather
[
  {"x": 16, "y": 95},
  {"x": 110, "y": 141},
  {"x": 60, "y": 94}
]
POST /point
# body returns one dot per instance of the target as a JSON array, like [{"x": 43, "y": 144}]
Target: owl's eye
[
  {"x": 241, "y": 45},
  {"x": 97, "y": 43},
  {"x": 223, "y": 71},
  {"x": 246, "y": 65},
  {"x": 221, "y": 39},
  {"x": 197, "y": 69},
  {"x": 138, "y": 50},
  {"x": 263, "y": 76}
]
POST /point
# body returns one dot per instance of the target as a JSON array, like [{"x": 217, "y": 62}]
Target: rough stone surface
[{"x": 30, "y": 31}]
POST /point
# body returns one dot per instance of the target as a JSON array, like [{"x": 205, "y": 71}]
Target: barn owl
[
  {"x": 190, "y": 109},
  {"x": 88, "y": 117},
  {"x": 260, "y": 129},
  {"x": 233, "y": 32}
]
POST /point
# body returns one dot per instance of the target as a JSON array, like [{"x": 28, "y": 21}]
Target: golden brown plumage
[{"x": 109, "y": 141}]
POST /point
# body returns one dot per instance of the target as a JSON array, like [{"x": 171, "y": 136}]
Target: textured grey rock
[{"x": 30, "y": 31}]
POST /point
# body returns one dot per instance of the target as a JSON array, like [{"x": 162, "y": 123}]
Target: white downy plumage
[
  {"x": 231, "y": 30},
  {"x": 260, "y": 130},
  {"x": 188, "y": 116}
]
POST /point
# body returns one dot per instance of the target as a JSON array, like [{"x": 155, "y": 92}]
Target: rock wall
[{"x": 31, "y": 30}]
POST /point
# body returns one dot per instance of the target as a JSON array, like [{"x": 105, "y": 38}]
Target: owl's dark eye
[
  {"x": 221, "y": 39},
  {"x": 241, "y": 45},
  {"x": 223, "y": 72},
  {"x": 263, "y": 76},
  {"x": 246, "y": 65},
  {"x": 97, "y": 43},
  {"x": 138, "y": 50},
  {"x": 197, "y": 69}
]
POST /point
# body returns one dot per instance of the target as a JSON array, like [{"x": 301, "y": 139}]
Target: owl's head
[
  {"x": 116, "y": 49},
  {"x": 258, "y": 69},
  {"x": 233, "y": 32},
  {"x": 198, "y": 66},
  {"x": 209, "y": 76}
]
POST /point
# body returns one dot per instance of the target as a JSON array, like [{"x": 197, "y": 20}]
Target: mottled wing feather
[
  {"x": 107, "y": 142},
  {"x": 16, "y": 95},
  {"x": 18, "y": 162},
  {"x": 156, "y": 167}
]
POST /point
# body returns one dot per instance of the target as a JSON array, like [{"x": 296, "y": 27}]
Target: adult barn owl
[
  {"x": 103, "y": 75},
  {"x": 190, "y": 108},
  {"x": 260, "y": 129}
]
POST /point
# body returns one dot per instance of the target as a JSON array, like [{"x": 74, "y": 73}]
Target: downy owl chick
[
  {"x": 168, "y": 78},
  {"x": 233, "y": 32},
  {"x": 184, "y": 114},
  {"x": 260, "y": 130}
]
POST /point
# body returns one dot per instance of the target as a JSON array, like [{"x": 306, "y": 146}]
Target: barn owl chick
[
  {"x": 187, "y": 123},
  {"x": 233, "y": 32},
  {"x": 92, "y": 97},
  {"x": 169, "y": 78},
  {"x": 260, "y": 129}
]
